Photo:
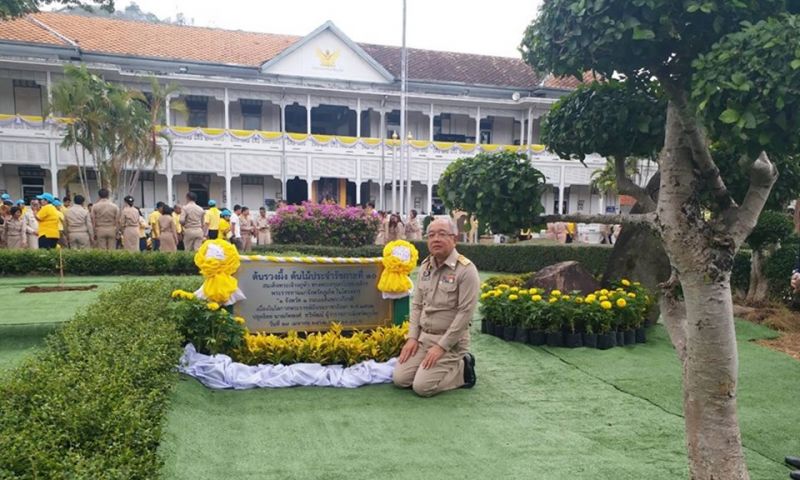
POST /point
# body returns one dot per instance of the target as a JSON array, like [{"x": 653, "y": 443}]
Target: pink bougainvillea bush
[{"x": 315, "y": 224}]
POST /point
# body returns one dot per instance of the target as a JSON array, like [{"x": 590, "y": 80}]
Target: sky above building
[{"x": 471, "y": 26}]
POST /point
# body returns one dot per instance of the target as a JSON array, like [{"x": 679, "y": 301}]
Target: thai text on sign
[{"x": 293, "y": 294}]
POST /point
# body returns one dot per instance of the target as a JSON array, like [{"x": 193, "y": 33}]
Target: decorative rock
[{"x": 564, "y": 276}]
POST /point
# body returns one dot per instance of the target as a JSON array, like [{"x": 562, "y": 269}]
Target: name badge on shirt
[
  {"x": 448, "y": 279},
  {"x": 426, "y": 275}
]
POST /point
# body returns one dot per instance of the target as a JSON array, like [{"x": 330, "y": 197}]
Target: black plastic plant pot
[
  {"x": 606, "y": 340},
  {"x": 641, "y": 335},
  {"x": 573, "y": 340},
  {"x": 498, "y": 330},
  {"x": 521, "y": 335},
  {"x": 536, "y": 337},
  {"x": 590, "y": 340},
  {"x": 630, "y": 337},
  {"x": 486, "y": 326},
  {"x": 555, "y": 339},
  {"x": 509, "y": 332},
  {"x": 620, "y": 339}
]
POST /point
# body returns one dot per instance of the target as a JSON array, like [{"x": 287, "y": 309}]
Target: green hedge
[
  {"x": 91, "y": 402},
  {"x": 490, "y": 258},
  {"x": 96, "y": 262}
]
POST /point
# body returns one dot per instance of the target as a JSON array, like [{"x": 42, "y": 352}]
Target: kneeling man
[{"x": 436, "y": 355}]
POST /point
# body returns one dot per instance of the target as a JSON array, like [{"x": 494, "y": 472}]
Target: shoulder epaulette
[{"x": 464, "y": 260}]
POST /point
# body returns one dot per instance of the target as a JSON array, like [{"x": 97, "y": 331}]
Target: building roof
[
  {"x": 567, "y": 83},
  {"x": 248, "y": 49}
]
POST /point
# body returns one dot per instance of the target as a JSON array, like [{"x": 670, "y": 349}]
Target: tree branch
[
  {"x": 647, "y": 219},
  {"x": 701, "y": 155},
  {"x": 673, "y": 313},
  {"x": 626, "y": 186},
  {"x": 742, "y": 220}
]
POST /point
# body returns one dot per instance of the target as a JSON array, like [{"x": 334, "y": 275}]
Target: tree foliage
[
  {"x": 502, "y": 189},
  {"x": 772, "y": 228},
  {"x": 613, "y": 119},
  {"x": 18, "y": 8}
]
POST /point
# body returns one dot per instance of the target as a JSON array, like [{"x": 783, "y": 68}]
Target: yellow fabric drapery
[
  {"x": 218, "y": 260},
  {"x": 399, "y": 259}
]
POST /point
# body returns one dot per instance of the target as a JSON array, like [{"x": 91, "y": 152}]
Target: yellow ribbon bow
[
  {"x": 218, "y": 260},
  {"x": 399, "y": 259}
]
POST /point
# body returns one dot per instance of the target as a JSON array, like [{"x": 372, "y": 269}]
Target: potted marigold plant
[{"x": 534, "y": 323}]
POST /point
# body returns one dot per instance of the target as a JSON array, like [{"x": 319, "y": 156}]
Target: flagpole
[{"x": 403, "y": 73}]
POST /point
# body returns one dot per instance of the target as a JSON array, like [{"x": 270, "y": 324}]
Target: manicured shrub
[
  {"x": 96, "y": 262},
  {"x": 315, "y": 224},
  {"x": 90, "y": 404},
  {"x": 510, "y": 280},
  {"x": 209, "y": 327}
]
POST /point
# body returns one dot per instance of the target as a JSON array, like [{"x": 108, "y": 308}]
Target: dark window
[
  {"x": 198, "y": 111},
  {"x": 296, "y": 118},
  {"x": 251, "y": 114}
]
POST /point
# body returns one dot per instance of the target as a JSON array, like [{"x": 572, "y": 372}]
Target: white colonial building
[{"x": 274, "y": 117}]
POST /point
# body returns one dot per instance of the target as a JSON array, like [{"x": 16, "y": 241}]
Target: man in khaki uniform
[
  {"x": 192, "y": 221},
  {"x": 105, "y": 218},
  {"x": 79, "y": 225},
  {"x": 436, "y": 355}
]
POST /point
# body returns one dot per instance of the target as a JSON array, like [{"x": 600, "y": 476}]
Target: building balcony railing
[{"x": 267, "y": 140}]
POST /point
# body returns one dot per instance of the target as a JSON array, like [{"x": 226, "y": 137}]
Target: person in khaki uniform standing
[
  {"x": 262, "y": 227},
  {"x": 192, "y": 221},
  {"x": 129, "y": 224},
  {"x": 436, "y": 355},
  {"x": 105, "y": 219},
  {"x": 78, "y": 225}
]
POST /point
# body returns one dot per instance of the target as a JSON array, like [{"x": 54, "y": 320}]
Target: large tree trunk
[
  {"x": 758, "y": 290},
  {"x": 702, "y": 258}
]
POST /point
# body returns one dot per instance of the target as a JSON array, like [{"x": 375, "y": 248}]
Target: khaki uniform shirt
[
  {"x": 192, "y": 216},
  {"x": 445, "y": 299},
  {"x": 78, "y": 220},
  {"x": 105, "y": 214}
]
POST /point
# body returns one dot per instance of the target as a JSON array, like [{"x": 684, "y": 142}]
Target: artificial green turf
[{"x": 535, "y": 413}]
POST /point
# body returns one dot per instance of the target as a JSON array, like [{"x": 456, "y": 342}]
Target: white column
[
  {"x": 228, "y": 178},
  {"x": 170, "y": 196},
  {"x": 358, "y": 181},
  {"x": 430, "y": 188},
  {"x": 530, "y": 131},
  {"x": 602, "y": 206},
  {"x": 308, "y": 116},
  {"x": 478, "y": 126},
  {"x": 521, "y": 130},
  {"x": 227, "y": 110},
  {"x": 430, "y": 125},
  {"x": 166, "y": 111},
  {"x": 561, "y": 188},
  {"x": 49, "y": 88},
  {"x": 54, "y": 170},
  {"x": 394, "y": 178},
  {"x": 358, "y": 118},
  {"x": 382, "y": 175},
  {"x": 409, "y": 201},
  {"x": 309, "y": 178}
]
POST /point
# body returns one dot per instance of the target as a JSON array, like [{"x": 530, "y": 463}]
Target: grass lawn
[{"x": 535, "y": 413}]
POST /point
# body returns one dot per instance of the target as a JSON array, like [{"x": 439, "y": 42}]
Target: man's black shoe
[
  {"x": 795, "y": 475},
  {"x": 469, "y": 371},
  {"x": 793, "y": 461}
]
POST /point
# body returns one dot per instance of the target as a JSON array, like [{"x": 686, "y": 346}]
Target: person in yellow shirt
[
  {"x": 571, "y": 231},
  {"x": 224, "y": 224},
  {"x": 62, "y": 236},
  {"x": 211, "y": 220},
  {"x": 48, "y": 222},
  {"x": 152, "y": 220}
]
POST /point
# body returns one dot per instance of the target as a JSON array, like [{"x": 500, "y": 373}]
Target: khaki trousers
[
  {"x": 447, "y": 374},
  {"x": 106, "y": 238},
  {"x": 33, "y": 241},
  {"x": 192, "y": 239},
  {"x": 79, "y": 240}
]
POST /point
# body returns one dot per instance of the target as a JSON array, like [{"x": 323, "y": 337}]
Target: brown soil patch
[
  {"x": 779, "y": 318},
  {"x": 37, "y": 289}
]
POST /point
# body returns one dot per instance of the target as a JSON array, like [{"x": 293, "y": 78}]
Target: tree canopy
[
  {"x": 502, "y": 189},
  {"x": 18, "y": 8}
]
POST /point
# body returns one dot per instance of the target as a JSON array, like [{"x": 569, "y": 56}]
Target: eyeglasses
[{"x": 440, "y": 234}]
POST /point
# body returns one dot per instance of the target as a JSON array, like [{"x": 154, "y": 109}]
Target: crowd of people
[{"x": 47, "y": 222}]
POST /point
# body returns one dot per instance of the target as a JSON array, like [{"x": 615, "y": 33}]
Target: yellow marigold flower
[
  {"x": 533, "y": 291},
  {"x": 553, "y": 300},
  {"x": 632, "y": 295},
  {"x": 503, "y": 286},
  {"x": 591, "y": 298},
  {"x": 513, "y": 297},
  {"x": 626, "y": 282},
  {"x": 213, "y": 306},
  {"x": 606, "y": 305},
  {"x": 514, "y": 289},
  {"x": 604, "y": 292},
  {"x": 536, "y": 298},
  {"x": 637, "y": 283},
  {"x": 578, "y": 299},
  {"x": 239, "y": 320},
  {"x": 621, "y": 302},
  {"x": 620, "y": 289},
  {"x": 555, "y": 293},
  {"x": 566, "y": 298},
  {"x": 603, "y": 298},
  {"x": 484, "y": 295}
]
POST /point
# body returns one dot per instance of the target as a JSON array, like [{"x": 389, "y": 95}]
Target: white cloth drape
[{"x": 219, "y": 372}]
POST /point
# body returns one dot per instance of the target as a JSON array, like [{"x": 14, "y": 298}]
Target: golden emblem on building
[{"x": 327, "y": 58}]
